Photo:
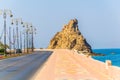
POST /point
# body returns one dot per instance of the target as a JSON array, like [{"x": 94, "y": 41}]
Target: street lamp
[
  {"x": 27, "y": 29},
  {"x": 32, "y": 32},
  {"x": 10, "y": 40},
  {"x": 24, "y": 41},
  {"x": 14, "y": 41},
  {"x": 20, "y": 41},
  {"x": 17, "y": 21},
  {"x": 5, "y": 12}
]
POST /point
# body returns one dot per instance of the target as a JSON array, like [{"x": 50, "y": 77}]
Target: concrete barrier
[{"x": 108, "y": 63}]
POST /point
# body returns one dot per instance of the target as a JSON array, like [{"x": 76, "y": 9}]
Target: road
[{"x": 23, "y": 67}]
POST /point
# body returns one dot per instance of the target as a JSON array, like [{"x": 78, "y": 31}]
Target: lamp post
[
  {"x": 10, "y": 39},
  {"x": 20, "y": 41},
  {"x": 14, "y": 41},
  {"x": 24, "y": 41},
  {"x": 27, "y": 29},
  {"x": 5, "y": 12},
  {"x": 17, "y": 21},
  {"x": 33, "y": 31}
]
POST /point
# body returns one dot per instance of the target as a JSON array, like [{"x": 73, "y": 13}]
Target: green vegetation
[
  {"x": 2, "y": 46},
  {"x": 8, "y": 55},
  {"x": 1, "y": 50}
]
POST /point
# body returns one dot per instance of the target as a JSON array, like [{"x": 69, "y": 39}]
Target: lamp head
[
  {"x": 21, "y": 22},
  {"x": 11, "y": 15},
  {"x": 12, "y": 23}
]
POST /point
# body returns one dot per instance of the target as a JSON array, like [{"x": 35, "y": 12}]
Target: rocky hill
[{"x": 70, "y": 38}]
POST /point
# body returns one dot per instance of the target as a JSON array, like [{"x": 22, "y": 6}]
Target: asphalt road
[{"x": 23, "y": 67}]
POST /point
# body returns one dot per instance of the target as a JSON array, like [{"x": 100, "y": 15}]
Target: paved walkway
[
  {"x": 68, "y": 65},
  {"x": 67, "y": 68}
]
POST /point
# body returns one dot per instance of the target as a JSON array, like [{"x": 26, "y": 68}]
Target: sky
[{"x": 99, "y": 20}]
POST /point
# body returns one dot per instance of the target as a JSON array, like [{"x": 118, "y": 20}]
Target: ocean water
[{"x": 110, "y": 54}]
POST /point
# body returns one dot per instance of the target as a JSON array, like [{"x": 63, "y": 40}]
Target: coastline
[
  {"x": 111, "y": 54},
  {"x": 104, "y": 63}
]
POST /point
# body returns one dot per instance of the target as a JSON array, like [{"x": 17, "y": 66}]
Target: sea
[{"x": 110, "y": 54}]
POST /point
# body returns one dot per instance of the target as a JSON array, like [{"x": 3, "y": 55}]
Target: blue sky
[{"x": 99, "y": 20}]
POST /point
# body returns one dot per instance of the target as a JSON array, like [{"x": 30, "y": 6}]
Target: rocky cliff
[{"x": 70, "y": 38}]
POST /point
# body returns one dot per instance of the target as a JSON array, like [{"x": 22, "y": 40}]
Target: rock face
[{"x": 70, "y": 38}]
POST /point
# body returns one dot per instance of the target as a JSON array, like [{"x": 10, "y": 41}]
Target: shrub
[{"x": 2, "y": 50}]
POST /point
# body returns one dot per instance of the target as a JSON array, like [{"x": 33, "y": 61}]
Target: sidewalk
[{"x": 68, "y": 65}]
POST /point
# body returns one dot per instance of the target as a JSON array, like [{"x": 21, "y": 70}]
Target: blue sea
[{"x": 110, "y": 54}]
